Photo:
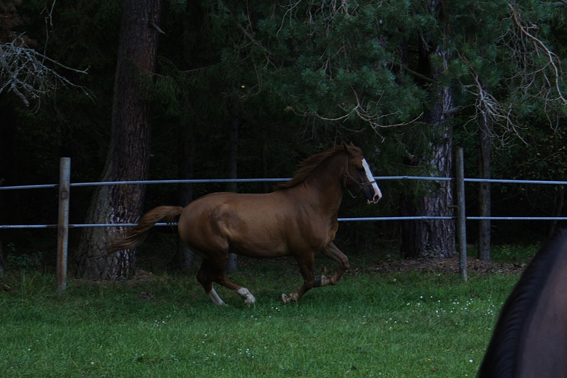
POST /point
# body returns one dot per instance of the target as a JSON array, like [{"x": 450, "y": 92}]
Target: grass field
[{"x": 370, "y": 325}]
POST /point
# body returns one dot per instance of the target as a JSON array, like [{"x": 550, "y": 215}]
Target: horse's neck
[{"x": 326, "y": 186}]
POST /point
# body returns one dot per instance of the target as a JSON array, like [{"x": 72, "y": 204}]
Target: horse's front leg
[
  {"x": 306, "y": 267},
  {"x": 334, "y": 253}
]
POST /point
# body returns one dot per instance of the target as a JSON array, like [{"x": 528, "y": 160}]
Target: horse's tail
[{"x": 134, "y": 236}]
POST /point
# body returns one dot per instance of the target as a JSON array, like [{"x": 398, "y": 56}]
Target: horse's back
[
  {"x": 530, "y": 338},
  {"x": 232, "y": 208}
]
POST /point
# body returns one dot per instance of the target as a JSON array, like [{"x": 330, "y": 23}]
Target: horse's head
[{"x": 358, "y": 178}]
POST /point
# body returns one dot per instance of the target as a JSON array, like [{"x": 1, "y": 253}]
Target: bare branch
[
  {"x": 244, "y": 31},
  {"x": 375, "y": 121},
  {"x": 488, "y": 107},
  {"x": 23, "y": 72},
  {"x": 552, "y": 60},
  {"x": 155, "y": 26},
  {"x": 538, "y": 78},
  {"x": 416, "y": 74}
]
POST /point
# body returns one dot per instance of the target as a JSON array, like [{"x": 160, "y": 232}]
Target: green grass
[{"x": 370, "y": 325}]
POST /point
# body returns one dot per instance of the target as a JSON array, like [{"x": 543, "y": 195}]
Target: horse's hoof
[
  {"x": 321, "y": 281},
  {"x": 288, "y": 298},
  {"x": 250, "y": 301}
]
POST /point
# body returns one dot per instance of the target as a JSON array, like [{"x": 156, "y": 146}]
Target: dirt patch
[
  {"x": 141, "y": 276},
  {"x": 288, "y": 265},
  {"x": 448, "y": 265}
]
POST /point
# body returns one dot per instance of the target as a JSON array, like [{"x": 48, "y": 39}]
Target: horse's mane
[
  {"x": 308, "y": 165},
  {"x": 500, "y": 359}
]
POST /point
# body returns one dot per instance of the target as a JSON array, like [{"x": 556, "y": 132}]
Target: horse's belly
[
  {"x": 276, "y": 237},
  {"x": 259, "y": 249}
]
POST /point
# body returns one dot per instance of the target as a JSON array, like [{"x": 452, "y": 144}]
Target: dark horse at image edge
[
  {"x": 299, "y": 219},
  {"x": 530, "y": 338}
]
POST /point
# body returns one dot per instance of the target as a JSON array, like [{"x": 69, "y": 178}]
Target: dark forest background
[{"x": 250, "y": 88}]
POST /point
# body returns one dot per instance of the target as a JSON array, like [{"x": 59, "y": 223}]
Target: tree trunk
[
  {"x": 232, "y": 174},
  {"x": 433, "y": 238},
  {"x": 186, "y": 157},
  {"x": 128, "y": 157},
  {"x": 484, "y": 192},
  {"x": 2, "y": 265}
]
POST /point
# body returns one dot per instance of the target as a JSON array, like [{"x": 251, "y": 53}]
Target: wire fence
[
  {"x": 262, "y": 180},
  {"x": 65, "y": 185}
]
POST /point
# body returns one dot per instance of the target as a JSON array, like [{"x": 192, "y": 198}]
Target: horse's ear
[{"x": 348, "y": 147}]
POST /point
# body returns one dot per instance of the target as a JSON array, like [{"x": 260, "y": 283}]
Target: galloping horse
[
  {"x": 298, "y": 219},
  {"x": 530, "y": 338}
]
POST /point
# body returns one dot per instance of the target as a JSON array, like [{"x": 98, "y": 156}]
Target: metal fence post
[
  {"x": 63, "y": 222},
  {"x": 461, "y": 218}
]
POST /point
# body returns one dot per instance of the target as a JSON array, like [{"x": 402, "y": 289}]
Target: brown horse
[
  {"x": 530, "y": 338},
  {"x": 298, "y": 219}
]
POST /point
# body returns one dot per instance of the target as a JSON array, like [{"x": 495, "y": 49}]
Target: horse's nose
[{"x": 376, "y": 198}]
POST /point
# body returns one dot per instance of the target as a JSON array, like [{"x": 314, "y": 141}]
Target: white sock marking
[
  {"x": 215, "y": 298},
  {"x": 245, "y": 293}
]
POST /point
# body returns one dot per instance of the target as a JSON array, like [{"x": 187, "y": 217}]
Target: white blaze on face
[{"x": 370, "y": 177}]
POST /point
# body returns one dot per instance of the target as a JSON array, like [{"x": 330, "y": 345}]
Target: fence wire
[{"x": 253, "y": 180}]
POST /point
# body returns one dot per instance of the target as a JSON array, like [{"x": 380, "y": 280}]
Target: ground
[
  {"x": 449, "y": 265},
  {"x": 359, "y": 264}
]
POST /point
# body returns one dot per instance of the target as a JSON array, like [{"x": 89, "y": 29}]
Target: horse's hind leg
[
  {"x": 334, "y": 253},
  {"x": 211, "y": 272},
  {"x": 205, "y": 278}
]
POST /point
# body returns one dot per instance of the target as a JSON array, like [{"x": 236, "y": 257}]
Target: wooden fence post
[
  {"x": 461, "y": 218},
  {"x": 63, "y": 222}
]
